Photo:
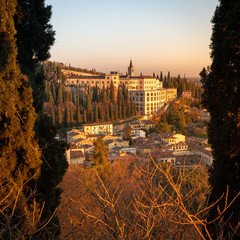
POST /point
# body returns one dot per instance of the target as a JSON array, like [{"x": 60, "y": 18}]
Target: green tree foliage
[
  {"x": 127, "y": 134},
  {"x": 222, "y": 99},
  {"x": 35, "y": 35},
  {"x": 162, "y": 127},
  {"x": 99, "y": 158},
  {"x": 53, "y": 169},
  {"x": 112, "y": 90},
  {"x": 19, "y": 153}
]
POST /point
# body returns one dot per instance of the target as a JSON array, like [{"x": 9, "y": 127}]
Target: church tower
[{"x": 131, "y": 69}]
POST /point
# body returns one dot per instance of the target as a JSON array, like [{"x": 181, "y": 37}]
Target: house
[
  {"x": 142, "y": 124},
  {"x": 98, "y": 128},
  {"x": 181, "y": 146},
  {"x": 94, "y": 137},
  {"x": 75, "y": 157},
  {"x": 74, "y": 135},
  {"x": 204, "y": 152},
  {"x": 172, "y": 138},
  {"x": 138, "y": 133},
  {"x": 117, "y": 143},
  {"x": 128, "y": 150},
  {"x": 162, "y": 156}
]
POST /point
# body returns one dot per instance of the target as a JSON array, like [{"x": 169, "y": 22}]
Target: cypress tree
[
  {"x": 116, "y": 111},
  {"x": 102, "y": 116},
  {"x": 96, "y": 113},
  {"x": 53, "y": 116},
  {"x": 222, "y": 99},
  {"x": 111, "y": 115},
  {"x": 112, "y": 92},
  {"x": 59, "y": 114},
  {"x": 128, "y": 109},
  {"x": 71, "y": 116},
  {"x": 123, "y": 110},
  {"x": 104, "y": 97},
  {"x": 85, "y": 116},
  {"x": 161, "y": 77},
  {"x": 107, "y": 115},
  {"x": 67, "y": 117},
  {"x": 60, "y": 95},
  {"x": 19, "y": 153}
]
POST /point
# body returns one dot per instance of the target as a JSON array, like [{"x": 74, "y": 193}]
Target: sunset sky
[{"x": 158, "y": 35}]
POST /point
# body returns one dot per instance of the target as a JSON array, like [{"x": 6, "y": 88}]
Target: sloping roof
[
  {"x": 86, "y": 77},
  {"x": 147, "y": 122},
  {"x": 76, "y": 154},
  {"x": 73, "y": 134},
  {"x": 96, "y": 124}
]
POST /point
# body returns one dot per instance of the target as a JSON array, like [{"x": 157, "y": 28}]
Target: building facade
[
  {"x": 146, "y": 92},
  {"x": 98, "y": 128}
]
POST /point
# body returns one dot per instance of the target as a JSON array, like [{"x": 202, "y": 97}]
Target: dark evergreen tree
[
  {"x": 19, "y": 153},
  {"x": 67, "y": 117},
  {"x": 112, "y": 92},
  {"x": 111, "y": 115},
  {"x": 96, "y": 113},
  {"x": 60, "y": 118},
  {"x": 107, "y": 115},
  {"x": 161, "y": 77},
  {"x": 35, "y": 35},
  {"x": 116, "y": 111},
  {"x": 222, "y": 99},
  {"x": 85, "y": 116},
  {"x": 104, "y": 97}
]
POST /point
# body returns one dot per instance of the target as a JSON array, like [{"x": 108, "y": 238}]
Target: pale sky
[{"x": 158, "y": 35}]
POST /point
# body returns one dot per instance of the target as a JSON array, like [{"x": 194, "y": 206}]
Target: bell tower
[{"x": 131, "y": 69}]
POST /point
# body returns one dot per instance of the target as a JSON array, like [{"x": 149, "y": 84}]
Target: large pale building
[
  {"x": 146, "y": 92},
  {"x": 98, "y": 128}
]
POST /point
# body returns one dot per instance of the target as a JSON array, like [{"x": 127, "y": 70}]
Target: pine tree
[
  {"x": 19, "y": 153},
  {"x": 222, "y": 99}
]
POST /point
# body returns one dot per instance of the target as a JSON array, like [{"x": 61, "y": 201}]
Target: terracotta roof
[
  {"x": 76, "y": 154},
  {"x": 73, "y": 134},
  {"x": 96, "y": 124},
  {"x": 95, "y": 135},
  {"x": 86, "y": 77}
]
